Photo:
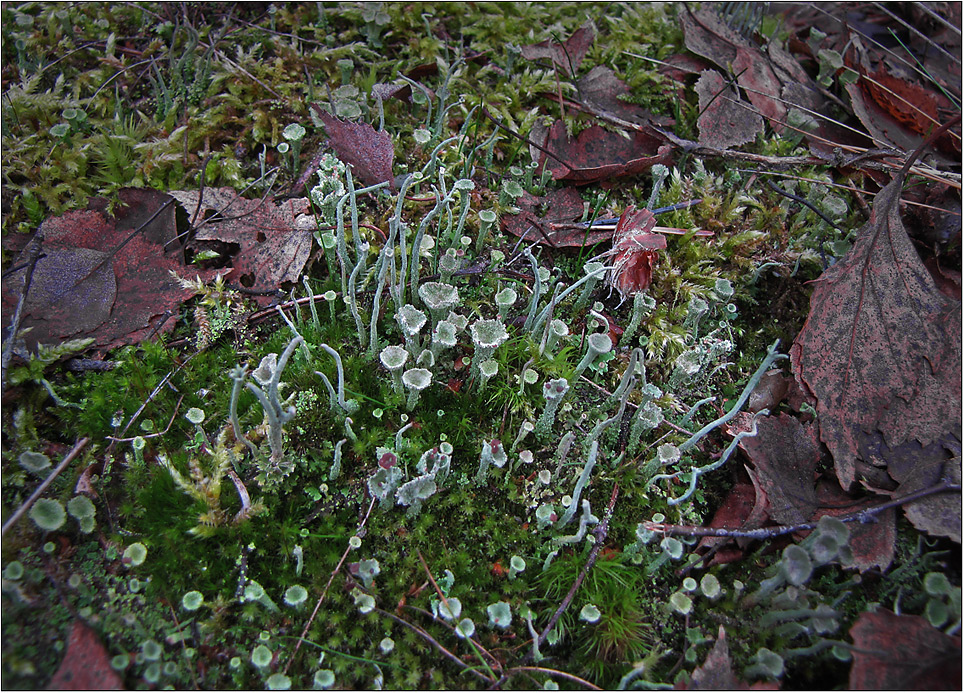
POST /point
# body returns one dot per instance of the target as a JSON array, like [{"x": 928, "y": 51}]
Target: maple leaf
[
  {"x": 881, "y": 347},
  {"x": 275, "y": 241},
  {"x": 900, "y": 652},
  {"x": 106, "y": 276}
]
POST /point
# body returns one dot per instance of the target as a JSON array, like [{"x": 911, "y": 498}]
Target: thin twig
[
  {"x": 33, "y": 255},
  {"x": 177, "y": 626},
  {"x": 43, "y": 487},
  {"x": 556, "y": 672},
  {"x": 324, "y": 592},
  {"x": 862, "y": 516},
  {"x": 150, "y": 435},
  {"x": 478, "y": 648},
  {"x": 435, "y": 643}
]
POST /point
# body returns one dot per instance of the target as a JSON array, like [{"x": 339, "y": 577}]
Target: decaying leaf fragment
[
  {"x": 275, "y": 240},
  {"x": 900, "y": 652},
  {"x": 881, "y": 348},
  {"x": 725, "y": 119}
]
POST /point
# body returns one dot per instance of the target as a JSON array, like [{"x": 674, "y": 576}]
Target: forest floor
[{"x": 481, "y": 345}]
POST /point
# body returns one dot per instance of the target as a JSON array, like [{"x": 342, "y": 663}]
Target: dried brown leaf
[
  {"x": 716, "y": 674},
  {"x": 603, "y": 94},
  {"x": 899, "y": 652},
  {"x": 369, "y": 152},
  {"x": 634, "y": 251},
  {"x": 785, "y": 454},
  {"x": 568, "y": 56},
  {"x": 598, "y": 154},
  {"x": 86, "y": 665},
  {"x": 275, "y": 240},
  {"x": 725, "y": 119},
  {"x": 106, "y": 276},
  {"x": 915, "y": 468},
  {"x": 872, "y": 544},
  {"x": 553, "y": 220},
  {"x": 881, "y": 348}
]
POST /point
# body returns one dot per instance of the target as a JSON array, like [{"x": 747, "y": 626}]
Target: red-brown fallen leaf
[
  {"x": 553, "y": 219},
  {"x": 915, "y": 467},
  {"x": 873, "y": 543},
  {"x": 881, "y": 348},
  {"x": 105, "y": 276},
  {"x": 785, "y": 453},
  {"x": 369, "y": 152},
  {"x": 603, "y": 94},
  {"x": 568, "y": 55},
  {"x": 725, "y": 119},
  {"x": 745, "y": 507},
  {"x": 898, "y": 652},
  {"x": 772, "y": 79},
  {"x": 275, "y": 241},
  {"x": 894, "y": 110},
  {"x": 598, "y": 154},
  {"x": 634, "y": 251},
  {"x": 86, "y": 665}
]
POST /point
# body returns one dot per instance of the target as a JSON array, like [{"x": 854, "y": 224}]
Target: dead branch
[{"x": 865, "y": 516}]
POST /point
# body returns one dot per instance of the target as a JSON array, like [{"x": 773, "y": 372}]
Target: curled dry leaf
[{"x": 634, "y": 251}]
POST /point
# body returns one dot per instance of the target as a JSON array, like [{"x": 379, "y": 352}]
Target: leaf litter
[{"x": 106, "y": 276}]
